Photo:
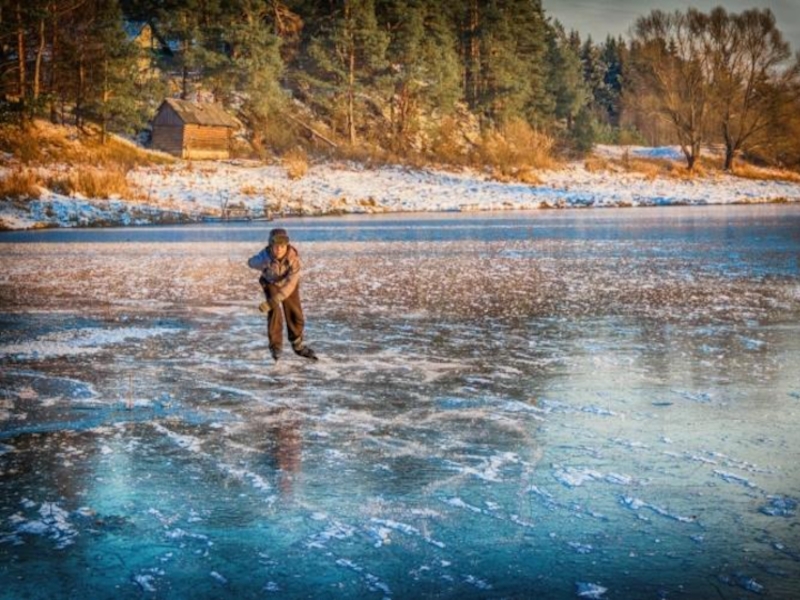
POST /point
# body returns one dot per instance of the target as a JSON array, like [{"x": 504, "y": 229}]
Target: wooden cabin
[{"x": 193, "y": 131}]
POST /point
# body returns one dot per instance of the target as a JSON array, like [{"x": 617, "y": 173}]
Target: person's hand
[{"x": 275, "y": 302}]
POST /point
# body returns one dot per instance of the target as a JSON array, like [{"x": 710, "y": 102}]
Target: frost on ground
[
  {"x": 194, "y": 191},
  {"x": 582, "y": 411}
]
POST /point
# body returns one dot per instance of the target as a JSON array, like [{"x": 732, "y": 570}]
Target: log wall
[
  {"x": 202, "y": 142},
  {"x": 199, "y": 142}
]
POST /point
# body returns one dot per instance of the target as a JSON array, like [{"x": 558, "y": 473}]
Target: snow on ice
[{"x": 461, "y": 436}]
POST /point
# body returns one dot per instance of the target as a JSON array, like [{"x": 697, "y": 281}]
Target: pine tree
[
  {"x": 347, "y": 58},
  {"x": 425, "y": 72},
  {"x": 195, "y": 31},
  {"x": 594, "y": 75},
  {"x": 503, "y": 47},
  {"x": 565, "y": 82},
  {"x": 30, "y": 52},
  {"x": 253, "y": 65},
  {"x": 610, "y": 101},
  {"x": 112, "y": 93},
  {"x": 97, "y": 67}
]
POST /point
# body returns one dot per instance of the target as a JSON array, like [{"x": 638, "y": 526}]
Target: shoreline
[{"x": 169, "y": 218}]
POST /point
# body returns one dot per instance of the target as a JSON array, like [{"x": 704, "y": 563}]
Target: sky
[{"x": 599, "y": 18}]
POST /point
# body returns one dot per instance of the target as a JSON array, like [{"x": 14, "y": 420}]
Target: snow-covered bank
[{"x": 194, "y": 191}]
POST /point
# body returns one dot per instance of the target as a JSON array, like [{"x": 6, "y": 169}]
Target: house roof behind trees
[{"x": 201, "y": 114}]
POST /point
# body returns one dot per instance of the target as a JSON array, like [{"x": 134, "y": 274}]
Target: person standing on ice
[{"x": 279, "y": 264}]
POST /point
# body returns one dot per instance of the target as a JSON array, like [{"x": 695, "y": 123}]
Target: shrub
[
  {"x": 516, "y": 148},
  {"x": 22, "y": 143},
  {"x": 20, "y": 184},
  {"x": 630, "y": 137},
  {"x": 280, "y": 136},
  {"x": 453, "y": 139},
  {"x": 295, "y": 161},
  {"x": 584, "y": 131}
]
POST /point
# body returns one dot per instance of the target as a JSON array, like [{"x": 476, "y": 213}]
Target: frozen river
[{"x": 572, "y": 404}]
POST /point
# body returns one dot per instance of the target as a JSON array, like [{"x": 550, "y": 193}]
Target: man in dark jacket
[{"x": 279, "y": 264}]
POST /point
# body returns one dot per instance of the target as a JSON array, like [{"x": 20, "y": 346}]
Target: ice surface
[
  {"x": 590, "y": 590},
  {"x": 548, "y": 406}
]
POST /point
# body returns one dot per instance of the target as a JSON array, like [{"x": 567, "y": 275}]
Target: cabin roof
[{"x": 201, "y": 114}]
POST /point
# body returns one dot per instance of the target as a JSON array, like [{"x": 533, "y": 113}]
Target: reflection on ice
[{"x": 610, "y": 418}]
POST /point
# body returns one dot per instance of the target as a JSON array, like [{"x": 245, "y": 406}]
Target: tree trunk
[
  {"x": 184, "y": 84},
  {"x": 53, "y": 61},
  {"x": 104, "y": 111},
  {"x": 21, "y": 75},
  {"x": 351, "y": 82},
  {"x": 401, "y": 105},
  {"x": 37, "y": 71},
  {"x": 351, "y": 73},
  {"x": 185, "y": 46},
  {"x": 472, "y": 54},
  {"x": 79, "y": 95},
  {"x": 690, "y": 152},
  {"x": 730, "y": 149},
  {"x": 730, "y": 154}
]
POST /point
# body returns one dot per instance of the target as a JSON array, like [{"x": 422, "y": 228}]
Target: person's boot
[
  {"x": 305, "y": 352},
  {"x": 275, "y": 352}
]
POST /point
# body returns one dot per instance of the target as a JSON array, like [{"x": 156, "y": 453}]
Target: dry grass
[
  {"x": 748, "y": 171},
  {"x": 706, "y": 166},
  {"x": 649, "y": 168},
  {"x": 599, "y": 164},
  {"x": 20, "y": 184},
  {"x": 295, "y": 161},
  {"x": 92, "y": 183},
  {"x": 514, "y": 151},
  {"x": 241, "y": 148},
  {"x": 44, "y": 144},
  {"x": 122, "y": 155},
  {"x": 709, "y": 164}
]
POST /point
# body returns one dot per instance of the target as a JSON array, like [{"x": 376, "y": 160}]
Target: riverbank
[{"x": 197, "y": 191}]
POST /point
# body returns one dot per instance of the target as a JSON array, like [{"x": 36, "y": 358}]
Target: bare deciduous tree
[
  {"x": 747, "y": 54},
  {"x": 669, "y": 69}
]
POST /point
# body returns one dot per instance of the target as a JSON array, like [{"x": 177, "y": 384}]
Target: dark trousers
[{"x": 294, "y": 319}]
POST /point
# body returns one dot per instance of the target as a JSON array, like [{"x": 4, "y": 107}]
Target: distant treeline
[{"x": 412, "y": 78}]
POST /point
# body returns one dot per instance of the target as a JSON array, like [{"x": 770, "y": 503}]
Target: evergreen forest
[{"x": 415, "y": 81}]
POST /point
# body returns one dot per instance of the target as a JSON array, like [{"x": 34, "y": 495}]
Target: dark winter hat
[{"x": 278, "y": 236}]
